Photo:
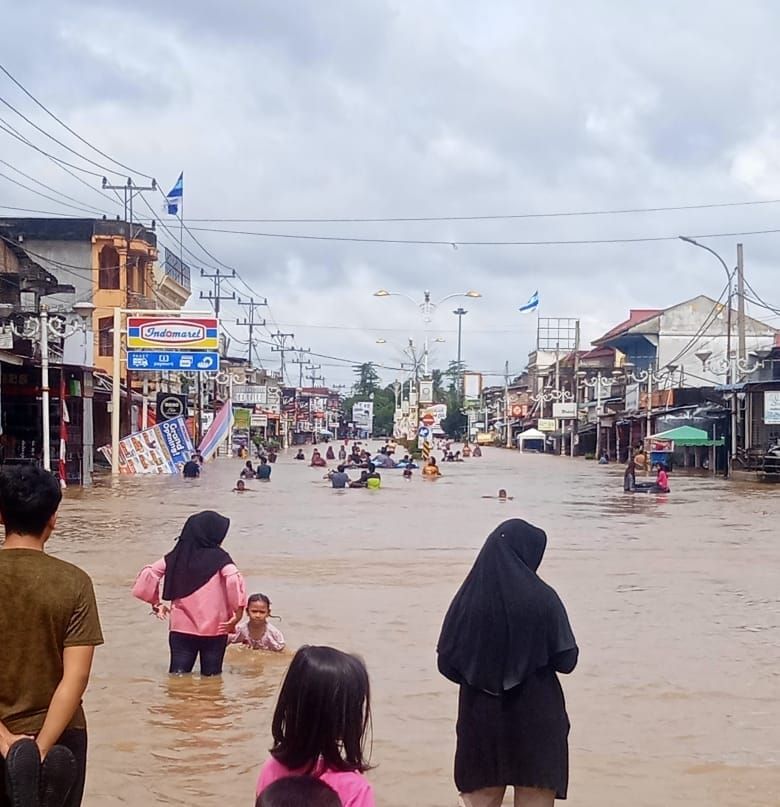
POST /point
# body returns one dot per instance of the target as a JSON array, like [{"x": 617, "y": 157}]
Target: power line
[
  {"x": 46, "y": 195},
  {"x": 489, "y": 217},
  {"x": 455, "y": 243},
  {"x": 65, "y": 125},
  {"x": 49, "y": 188}
]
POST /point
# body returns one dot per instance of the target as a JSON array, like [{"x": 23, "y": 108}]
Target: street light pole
[
  {"x": 45, "y": 387},
  {"x": 460, "y": 312}
]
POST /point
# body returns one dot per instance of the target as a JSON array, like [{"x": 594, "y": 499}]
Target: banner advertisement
[
  {"x": 472, "y": 386},
  {"x": 363, "y": 415},
  {"x": 168, "y": 333},
  {"x": 163, "y": 449}
]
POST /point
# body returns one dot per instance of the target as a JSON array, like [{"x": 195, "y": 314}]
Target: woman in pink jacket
[{"x": 206, "y": 592}]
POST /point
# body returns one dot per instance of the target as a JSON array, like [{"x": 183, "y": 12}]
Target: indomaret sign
[{"x": 173, "y": 333}]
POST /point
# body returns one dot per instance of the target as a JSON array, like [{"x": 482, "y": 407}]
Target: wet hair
[
  {"x": 248, "y": 463},
  {"x": 298, "y": 791},
  {"x": 240, "y": 485},
  {"x": 340, "y": 469},
  {"x": 259, "y": 598},
  {"x": 432, "y": 461},
  {"x": 29, "y": 497},
  {"x": 502, "y": 493},
  {"x": 323, "y": 712},
  {"x": 371, "y": 467}
]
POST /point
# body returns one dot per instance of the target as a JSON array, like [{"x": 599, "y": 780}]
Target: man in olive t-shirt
[{"x": 48, "y": 623}]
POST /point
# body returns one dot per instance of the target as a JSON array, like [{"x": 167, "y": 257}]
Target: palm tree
[{"x": 437, "y": 379}]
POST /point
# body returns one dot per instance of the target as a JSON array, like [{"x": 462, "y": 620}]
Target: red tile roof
[{"x": 635, "y": 316}]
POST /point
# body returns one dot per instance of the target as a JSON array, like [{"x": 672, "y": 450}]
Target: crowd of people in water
[
  {"x": 638, "y": 461},
  {"x": 504, "y": 640}
]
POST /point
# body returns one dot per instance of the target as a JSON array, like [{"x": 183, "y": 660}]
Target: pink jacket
[
  {"x": 202, "y": 612},
  {"x": 272, "y": 639}
]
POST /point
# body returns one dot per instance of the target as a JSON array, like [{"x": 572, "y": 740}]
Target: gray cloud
[{"x": 397, "y": 108}]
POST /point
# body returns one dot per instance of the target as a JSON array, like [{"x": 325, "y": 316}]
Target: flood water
[{"x": 674, "y": 601}]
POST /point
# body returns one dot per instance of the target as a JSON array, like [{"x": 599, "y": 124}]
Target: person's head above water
[
  {"x": 29, "y": 498},
  {"x": 502, "y": 494},
  {"x": 371, "y": 467},
  {"x": 298, "y": 791},
  {"x": 432, "y": 461},
  {"x": 197, "y": 555},
  {"x": 240, "y": 485},
  {"x": 323, "y": 712},
  {"x": 249, "y": 463},
  {"x": 340, "y": 469},
  {"x": 258, "y": 608}
]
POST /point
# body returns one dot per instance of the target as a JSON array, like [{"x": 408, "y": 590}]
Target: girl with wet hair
[
  {"x": 257, "y": 633},
  {"x": 505, "y": 638},
  {"x": 206, "y": 592},
  {"x": 320, "y": 724}
]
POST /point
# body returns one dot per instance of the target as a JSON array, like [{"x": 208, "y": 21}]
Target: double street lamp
[
  {"x": 428, "y": 308},
  {"x": 40, "y": 329}
]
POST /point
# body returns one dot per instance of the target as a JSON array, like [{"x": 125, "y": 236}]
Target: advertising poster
[{"x": 163, "y": 449}]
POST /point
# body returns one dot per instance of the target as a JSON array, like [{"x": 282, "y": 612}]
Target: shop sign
[
  {"x": 167, "y": 333},
  {"x": 564, "y": 411},
  {"x": 170, "y": 406},
  {"x": 771, "y": 407},
  {"x": 546, "y": 425},
  {"x": 250, "y": 394}
]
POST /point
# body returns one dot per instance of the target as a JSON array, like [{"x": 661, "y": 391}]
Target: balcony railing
[{"x": 177, "y": 270}]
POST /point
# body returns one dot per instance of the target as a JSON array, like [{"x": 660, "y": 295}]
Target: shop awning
[{"x": 687, "y": 436}]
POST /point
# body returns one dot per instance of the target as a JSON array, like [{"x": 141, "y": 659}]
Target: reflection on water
[{"x": 674, "y": 600}]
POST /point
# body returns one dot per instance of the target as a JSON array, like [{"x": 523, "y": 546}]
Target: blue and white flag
[
  {"x": 175, "y": 196},
  {"x": 531, "y": 305}
]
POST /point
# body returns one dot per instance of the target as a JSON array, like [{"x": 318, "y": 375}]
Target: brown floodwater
[{"x": 674, "y": 600}]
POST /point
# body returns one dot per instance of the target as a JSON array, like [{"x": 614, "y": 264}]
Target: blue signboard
[{"x": 188, "y": 362}]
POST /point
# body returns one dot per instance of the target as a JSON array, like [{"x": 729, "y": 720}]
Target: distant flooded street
[{"x": 674, "y": 601}]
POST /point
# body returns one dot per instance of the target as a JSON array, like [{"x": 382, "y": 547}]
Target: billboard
[
  {"x": 472, "y": 386},
  {"x": 565, "y": 410},
  {"x": 363, "y": 415},
  {"x": 250, "y": 394},
  {"x": 163, "y": 449},
  {"x": 169, "y": 333}
]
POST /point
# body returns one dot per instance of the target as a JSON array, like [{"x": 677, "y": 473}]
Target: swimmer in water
[
  {"x": 241, "y": 487},
  {"x": 502, "y": 497},
  {"x": 407, "y": 473},
  {"x": 257, "y": 633}
]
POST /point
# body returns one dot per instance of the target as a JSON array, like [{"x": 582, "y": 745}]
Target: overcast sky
[{"x": 366, "y": 108}]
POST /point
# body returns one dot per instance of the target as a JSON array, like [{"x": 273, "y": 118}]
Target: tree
[
  {"x": 437, "y": 380},
  {"x": 367, "y": 380},
  {"x": 455, "y": 424}
]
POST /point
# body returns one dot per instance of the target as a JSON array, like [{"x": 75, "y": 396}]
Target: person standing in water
[
  {"x": 49, "y": 629},
  {"x": 206, "y": 591},
  {"x": 505, "y": 637},
  {"x": 629, "y": 475},
  {"x": 431, "y": 470}
]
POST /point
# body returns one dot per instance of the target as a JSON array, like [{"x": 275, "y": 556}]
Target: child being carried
[{"x": 257, "y": 633}]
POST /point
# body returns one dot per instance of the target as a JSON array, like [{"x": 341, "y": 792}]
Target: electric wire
[
  {"x": 84, "y": 205},
  {"x": 65, "y": 125},
  {"x": 46, "y": 196}
]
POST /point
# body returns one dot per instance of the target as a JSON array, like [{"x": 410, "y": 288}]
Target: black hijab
[
  {"x": 197, "y": 556},
  {"x": 505, "y": 622}
]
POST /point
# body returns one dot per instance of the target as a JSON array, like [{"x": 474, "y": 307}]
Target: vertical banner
[{"x": 218, "y": 431}]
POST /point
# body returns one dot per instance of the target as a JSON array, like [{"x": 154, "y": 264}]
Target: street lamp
[
  {"x": 39, "y": 330},
  {"x": 600, "y": 383},
  {"x": 460, "y": 312},
  {"x": 730, "y": 278}
]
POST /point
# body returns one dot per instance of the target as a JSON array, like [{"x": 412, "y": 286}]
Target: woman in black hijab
[
  {"x": 505, "y": 636},
  {"x": 206, "y": 591}
]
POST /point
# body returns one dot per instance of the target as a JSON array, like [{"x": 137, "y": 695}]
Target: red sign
[{"x": 428, "y": 419}]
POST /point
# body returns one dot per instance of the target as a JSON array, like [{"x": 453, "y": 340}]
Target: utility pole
[
  {"x": 215, "y": 296},
  {"x": 300, "y": 361},
  {"x": 741, "y": 345},
  {"x": 312, "y": 374},
  {"x": 251, "y": 304},
  {"x": 506, "y": 406},
  {"x": 281, "y": 347},
  {"x": 129, "y": 191}
]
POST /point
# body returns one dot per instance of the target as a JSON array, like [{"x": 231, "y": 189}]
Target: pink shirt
[
  {"x": 272, "y": 639},
  {"x": 202, "y": 612},
  {"x": 352, "y": 787}
]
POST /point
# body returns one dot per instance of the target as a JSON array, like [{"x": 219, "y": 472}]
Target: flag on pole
[
  {"x": 218, "y": 431},
  {"x": 175, "y": 196},
  {"x": 531, "y": 305}
]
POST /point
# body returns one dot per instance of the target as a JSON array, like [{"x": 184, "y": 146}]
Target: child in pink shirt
[
  {"x": 258, "y": 633},
  {"x": 320, "y": 723},
  {"x": 206, "y": 592}
]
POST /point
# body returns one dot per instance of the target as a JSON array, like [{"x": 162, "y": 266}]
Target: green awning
[{"x": 687, "y": 436}]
